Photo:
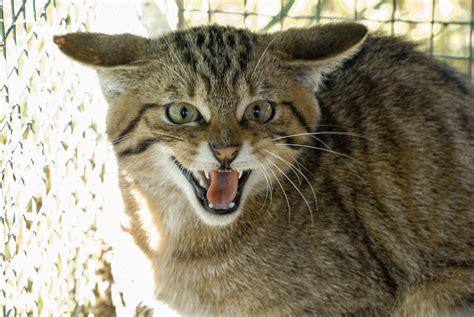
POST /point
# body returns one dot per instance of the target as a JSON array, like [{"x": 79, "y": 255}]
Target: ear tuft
[{"x": 97, "y": 49}]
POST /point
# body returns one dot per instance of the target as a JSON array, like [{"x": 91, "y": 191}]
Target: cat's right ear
[
  {"x": 104, "y": 50},
  {"x": 315, "y": 52}
]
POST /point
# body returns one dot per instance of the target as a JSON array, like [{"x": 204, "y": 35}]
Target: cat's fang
[
  {"x": 202, "y": 179},
  {"x": 240, "y": 175}
]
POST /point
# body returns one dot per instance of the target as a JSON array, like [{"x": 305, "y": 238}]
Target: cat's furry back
[{"x": 385, "y": 152}]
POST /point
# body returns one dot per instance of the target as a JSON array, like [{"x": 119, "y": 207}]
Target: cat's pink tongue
[{"x": 223, "y": 188}]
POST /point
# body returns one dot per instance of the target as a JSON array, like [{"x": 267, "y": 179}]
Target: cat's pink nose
[{"x": 225, "y": 153}]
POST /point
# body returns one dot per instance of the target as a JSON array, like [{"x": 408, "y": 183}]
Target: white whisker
[
  {"x": 158, "y": 134},
  {"x": 325, "y": 145},
  {"x": 325, "y": 133},
  {"x": 269, "y": 189},
  {"x": 263, "y": 54},
  {"x": 304, "y": 177},
  {"x": 321, "y": 149},
  {"x": 291, "y": 166},
  {"x": 284, "y": 193},
  {"x": 170, "y": 69},
  {"x": 120, "y": 139},
  {"x": 296, "y": 187},
  {"x": 176, "y": 57}
]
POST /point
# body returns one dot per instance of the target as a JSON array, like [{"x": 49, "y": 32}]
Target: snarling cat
[{"x": 319, "y": 171}]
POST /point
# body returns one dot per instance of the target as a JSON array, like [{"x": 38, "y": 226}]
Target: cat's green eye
[
  {"x": 182, "y": 113},
  {"x": 259, "y": 111}
]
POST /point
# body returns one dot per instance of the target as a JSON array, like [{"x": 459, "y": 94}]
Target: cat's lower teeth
[{"x": 231, "y": 205}]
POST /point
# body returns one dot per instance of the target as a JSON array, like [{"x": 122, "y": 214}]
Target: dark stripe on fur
[
  {"x": 141, "y": 147},
  {"x": 297, "y": 114},
  {"x": 131, "y": 126},
  {"x": 361, "y": 234},
  {"x": 344, "y": 144},
  {"x": 329, "y": 123},
  {"x": 464, "y": 264}
]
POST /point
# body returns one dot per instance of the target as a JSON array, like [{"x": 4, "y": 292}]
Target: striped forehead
[{"x": 214, "y": 52}]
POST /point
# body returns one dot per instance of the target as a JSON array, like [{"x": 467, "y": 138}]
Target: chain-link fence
[
  {"x": 56, "y": 167},
  {"x": 52, "y": 164},
  {"x": 444, "y": 28}
]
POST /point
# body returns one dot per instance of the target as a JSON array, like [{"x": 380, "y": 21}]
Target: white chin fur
[{"x": 213, "y": 219}]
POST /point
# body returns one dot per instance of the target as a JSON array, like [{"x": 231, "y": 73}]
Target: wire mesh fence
[
  {"x": 52, "y": 160},
  {"x": 444, "y": 28},
  {"x": 56, "y": 167}
]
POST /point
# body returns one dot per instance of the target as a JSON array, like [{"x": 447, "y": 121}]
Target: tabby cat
[{"x": 308, "y": 172}]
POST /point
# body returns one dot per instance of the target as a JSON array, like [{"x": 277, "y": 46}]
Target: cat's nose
[{"x": 225, "y": 154}]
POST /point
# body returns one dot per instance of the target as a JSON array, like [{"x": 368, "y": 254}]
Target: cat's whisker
[
  {"x": 297, "y": 189},
  {"x": 304, "y": 177},
  {"x": 325, "y": 144},
  {"x": 283, "y": 190},
  {"x": 270, "y": 183},
  {"x": 269, "y": 189},
  {"x": 120, "y": 139},
  {"x": 263, "y": 54},
  {"x": 291, "y": 166},
  {"x": 325, "y": 133},
  {"x": 158, "y": 134},
  {"x": 183, "y": 156},
  {"x": 321, "y": 149},
  {"x": 177, "y": 58},
  {"x": 313, "y": 192},
  {"x": 171, "y": 70}
]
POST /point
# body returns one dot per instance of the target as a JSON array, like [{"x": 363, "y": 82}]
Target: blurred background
[{"x": 61, "y": 247}]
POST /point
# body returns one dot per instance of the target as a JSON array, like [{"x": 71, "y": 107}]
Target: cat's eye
[
  {"x": 182, "y": 113},
  {"x": 259, "y": 111}
]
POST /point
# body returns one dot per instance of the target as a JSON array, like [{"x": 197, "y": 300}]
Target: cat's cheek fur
[{"x": 163, "y": 181}]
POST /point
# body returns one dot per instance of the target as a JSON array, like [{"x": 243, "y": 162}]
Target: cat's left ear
[
  {"x": 114, "y": 57},
  {"x": 104, "y": 50},
  {"x": 315, "y": 52}
]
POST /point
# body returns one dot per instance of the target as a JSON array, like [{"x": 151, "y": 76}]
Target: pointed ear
[
  {"x": 315, "y": 52},
  {"x": 114, "y": 57},
  {"x": 98, "y": 49}
]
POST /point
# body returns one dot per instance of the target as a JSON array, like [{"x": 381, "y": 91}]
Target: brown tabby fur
[{"x": 390, "y": 230}]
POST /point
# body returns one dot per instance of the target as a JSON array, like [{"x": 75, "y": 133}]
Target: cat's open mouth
[{"x": 218, "y": 191}]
